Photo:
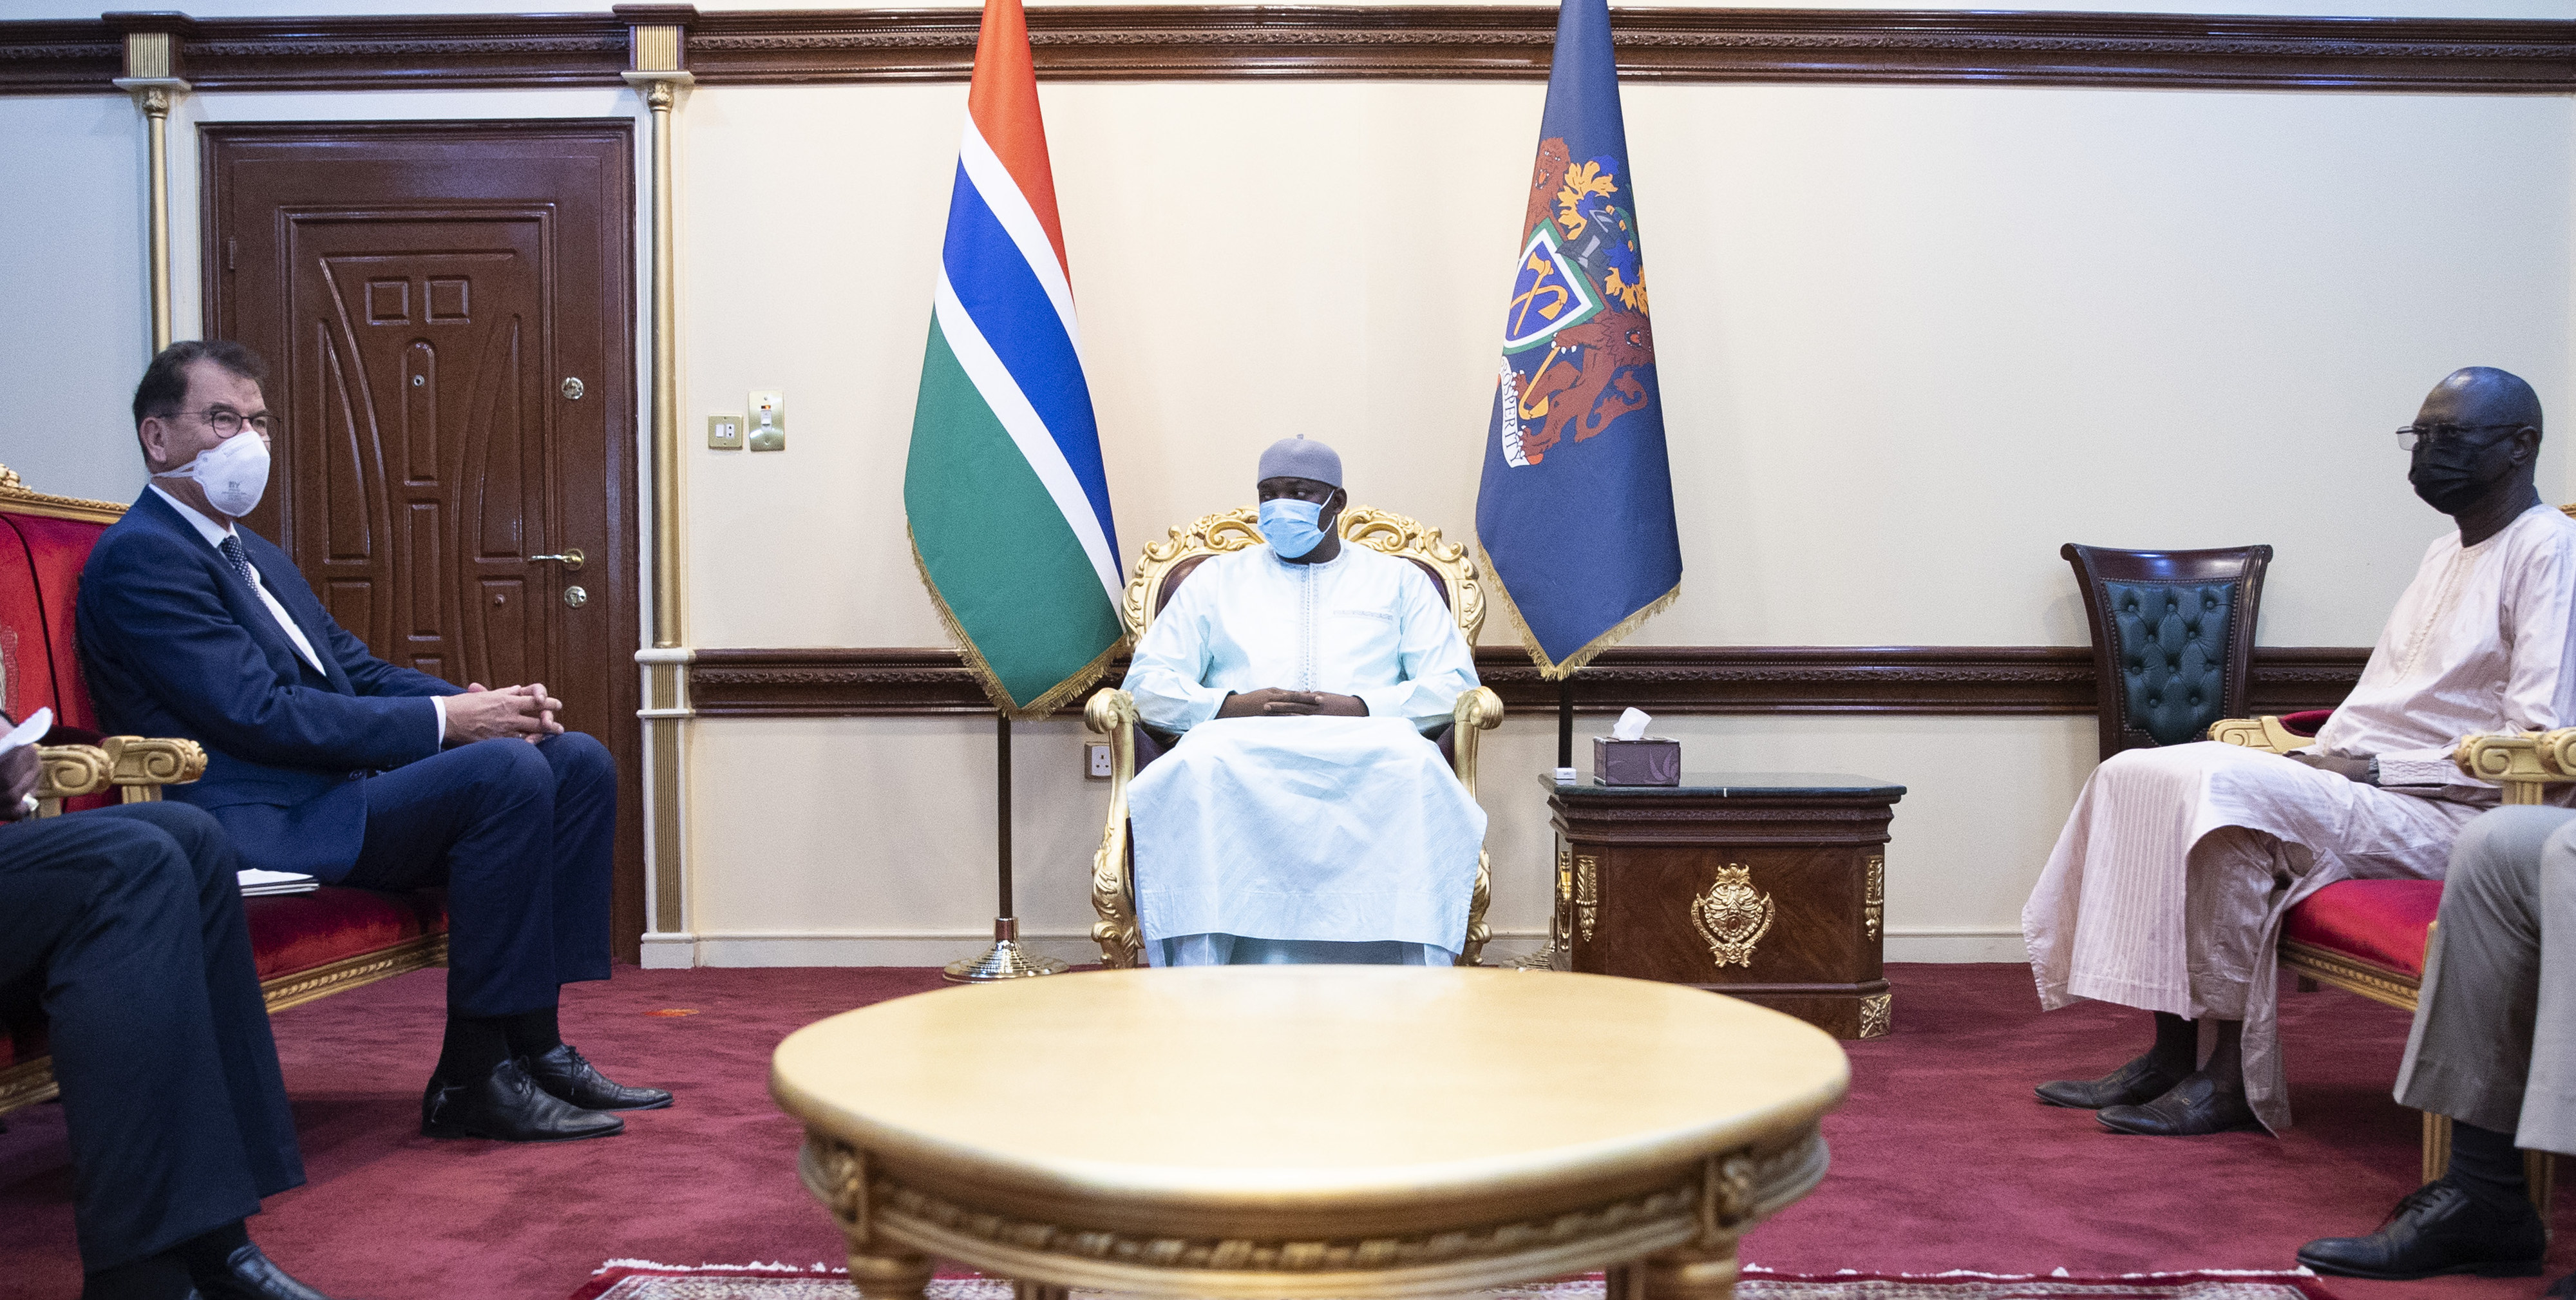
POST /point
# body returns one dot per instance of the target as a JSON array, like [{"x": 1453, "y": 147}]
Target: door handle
[{"x": 571, "y": 558}]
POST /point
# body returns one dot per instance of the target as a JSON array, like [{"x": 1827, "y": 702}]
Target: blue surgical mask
[{"x": 1289, "y": 526}]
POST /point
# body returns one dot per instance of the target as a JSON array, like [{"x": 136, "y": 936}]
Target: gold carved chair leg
[
  {"x": 1477, "y": 712},
  {"x": 1112, "y": 713}
]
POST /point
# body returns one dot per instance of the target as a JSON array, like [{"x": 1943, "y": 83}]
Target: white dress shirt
[{"x": 215, "y": 534}]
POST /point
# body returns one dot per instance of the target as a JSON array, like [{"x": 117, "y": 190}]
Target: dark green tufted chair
[{"x": 2173, "y": 638}]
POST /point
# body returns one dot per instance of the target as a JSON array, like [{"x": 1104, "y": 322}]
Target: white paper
[
  {"x": 256, "y": 883},
  {"x": 28, "y": 732},
  {"x": 1630, "y": 726}
]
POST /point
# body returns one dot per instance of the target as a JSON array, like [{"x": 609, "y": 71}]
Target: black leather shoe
[
  {"x": 2438, "y": 1229},
  {"x": 570, "y": 1077},
  {"x": 246, "y": 1274},
  {"x": 2191, "y": 1108},
  {"x": 2139, "y": 1080},
  {"x": 508, "y": 1106}
]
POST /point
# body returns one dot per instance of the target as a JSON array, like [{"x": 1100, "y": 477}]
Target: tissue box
[{"x": 1651, "y": 760}]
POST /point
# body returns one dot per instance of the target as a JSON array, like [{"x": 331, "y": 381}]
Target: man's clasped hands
[
  {"x": 1277, "y": 702},
  {"x": 482, "y": 713}
]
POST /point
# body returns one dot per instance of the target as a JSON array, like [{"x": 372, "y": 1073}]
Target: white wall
[{"x": 1911, "y": 339}]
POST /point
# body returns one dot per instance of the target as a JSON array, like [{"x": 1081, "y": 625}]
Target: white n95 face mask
[{"x": 233, "y": 472}]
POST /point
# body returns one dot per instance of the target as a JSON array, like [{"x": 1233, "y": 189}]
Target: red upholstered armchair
[
  {"x": 2369, "y": 936},
  {"x": 305, "y": 945}
]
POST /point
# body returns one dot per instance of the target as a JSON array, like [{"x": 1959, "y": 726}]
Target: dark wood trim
[
  {"x": 1331, "y": 42},
  {"x": 1954, "y": 680}
]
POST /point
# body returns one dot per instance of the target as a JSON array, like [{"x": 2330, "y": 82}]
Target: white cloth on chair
[
  {"x": 2168, "y": 885},
  {"x": 1333, "y": 829}
]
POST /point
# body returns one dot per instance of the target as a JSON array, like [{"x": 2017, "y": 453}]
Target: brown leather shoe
[
  {"x": 2192, "y": 1108},
  {"x": 2139, "y": 1080}
]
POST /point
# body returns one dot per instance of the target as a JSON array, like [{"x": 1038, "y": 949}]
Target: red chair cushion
[
  {"x": 297, "y": 932},
  {"x": 2382, "y": 922},
  {"x": 2306, "y": 722}
]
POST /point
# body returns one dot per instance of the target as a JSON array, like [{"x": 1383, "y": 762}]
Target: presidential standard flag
[
  {"x": 1008, "y": 506},
  {"x": 1575, "y": 511}
]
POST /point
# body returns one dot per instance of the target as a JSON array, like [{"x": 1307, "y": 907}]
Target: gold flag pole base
[{"x": 1005, "y": 960}]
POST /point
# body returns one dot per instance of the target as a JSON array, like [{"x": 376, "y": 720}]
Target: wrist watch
[{"x": 2374, "y": 769}]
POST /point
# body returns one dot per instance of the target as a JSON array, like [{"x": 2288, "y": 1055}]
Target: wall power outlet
[{"x": 1095, "y": 760}]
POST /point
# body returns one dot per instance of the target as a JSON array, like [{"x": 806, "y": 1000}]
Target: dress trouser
[
  {"x": 521, "y": 836},
  {"x": 130, "y": 919},
  {"x": 2494, "y": 1042}
]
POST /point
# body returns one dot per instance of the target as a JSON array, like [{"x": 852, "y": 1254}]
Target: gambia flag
[
  {"x": 1004, "y": 493},
  {"x": 1575, "y": 508}
]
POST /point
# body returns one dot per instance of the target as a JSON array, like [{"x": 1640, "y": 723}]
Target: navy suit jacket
[{"x": 176, "y": 644}]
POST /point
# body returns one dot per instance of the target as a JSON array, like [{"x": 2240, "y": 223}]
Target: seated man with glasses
[
  {"x": 2168, "y": 885},
  {"x": 324, "y": 759}
]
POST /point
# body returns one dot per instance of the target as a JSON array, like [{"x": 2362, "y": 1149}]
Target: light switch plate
[
  {"x": 724, "y": 432},
  {"x": 766, "y": 423}
]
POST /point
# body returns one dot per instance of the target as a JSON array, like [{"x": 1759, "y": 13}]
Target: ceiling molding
[
  {"x": 1970, "y": 681},
  {"x": 1335, "y": 42}
]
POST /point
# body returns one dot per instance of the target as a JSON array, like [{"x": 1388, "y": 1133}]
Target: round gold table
[{"x": 1308, "y": 1131}]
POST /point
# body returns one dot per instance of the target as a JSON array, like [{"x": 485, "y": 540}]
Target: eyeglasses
[
  {"x": 2418, "y": 435},
  {"x": 226, "y": 421}
]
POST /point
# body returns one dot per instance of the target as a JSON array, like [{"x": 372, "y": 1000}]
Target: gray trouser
[{"x": 2494, "y": 1042}]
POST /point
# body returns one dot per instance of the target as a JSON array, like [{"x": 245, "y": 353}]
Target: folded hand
[
  {"x": 526, "y": 712},
  {"x": 1278, "y": 702}
]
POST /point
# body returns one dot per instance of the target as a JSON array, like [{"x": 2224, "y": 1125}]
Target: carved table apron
[
  {"x": 1283, "y": 1132},
  {"x": 1767, "y": 886}
]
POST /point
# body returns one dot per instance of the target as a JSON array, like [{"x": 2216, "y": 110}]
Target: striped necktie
[{"x": 232, "y": 549}]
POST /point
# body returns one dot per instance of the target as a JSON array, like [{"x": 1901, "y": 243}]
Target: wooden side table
[{"x": 1767, "y": 886}]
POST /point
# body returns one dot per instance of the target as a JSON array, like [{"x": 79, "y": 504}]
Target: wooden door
[{"x": 447, "y": 312}]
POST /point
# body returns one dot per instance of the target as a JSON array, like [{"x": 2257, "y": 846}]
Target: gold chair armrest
[
  {"x": 1477, "y": 712},
  {"x": 1112, "y": 712},
  {"x": 2264, "y": 733},
  {"x": 141, "y": 765},
  {"x": 2524, "y": 764},
  {"x": 63, "y": 771}
]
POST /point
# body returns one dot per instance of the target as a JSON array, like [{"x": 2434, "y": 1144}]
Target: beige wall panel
[
  {"x": 1911, "y": 339},
  {"x": 78, "y": 328},
  {"x": 870, "y": 840}
]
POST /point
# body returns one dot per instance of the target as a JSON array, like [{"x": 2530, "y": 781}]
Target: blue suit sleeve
[{"x": 159, "y": 602}]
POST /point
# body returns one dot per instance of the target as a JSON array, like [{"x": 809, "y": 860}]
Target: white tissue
[{"x": 1630, "y": 726}]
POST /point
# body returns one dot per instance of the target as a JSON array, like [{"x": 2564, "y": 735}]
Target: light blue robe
[{"x": 1257, "y": 838}]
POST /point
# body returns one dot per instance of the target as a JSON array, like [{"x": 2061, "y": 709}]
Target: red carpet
[{"x": 1941, "y": 1159}]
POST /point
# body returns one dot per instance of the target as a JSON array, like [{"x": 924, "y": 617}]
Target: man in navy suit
[
  {"x": 323, "y": 759},
  {"x": 130, "y": 921}
]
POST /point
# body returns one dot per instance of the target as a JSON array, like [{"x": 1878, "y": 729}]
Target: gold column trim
[
  {"x": 149, "y": 63},
  {"x": 1587, "y": 893},
  {"x": 1733, "y": 915},
  {"x": 1877, "y": 1015},
  {"x": 1873, "y": 902}
]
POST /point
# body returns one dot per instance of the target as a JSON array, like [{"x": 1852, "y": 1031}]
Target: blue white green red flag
[
  {"x": 1004, "y": 492},
  {"x": 1575, "y": 508}
]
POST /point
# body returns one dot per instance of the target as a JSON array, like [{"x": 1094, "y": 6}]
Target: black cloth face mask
[{"x": 2451, "y": 476}]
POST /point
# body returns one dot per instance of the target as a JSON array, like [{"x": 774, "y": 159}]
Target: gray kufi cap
[{"x": 1301, "y": 458}]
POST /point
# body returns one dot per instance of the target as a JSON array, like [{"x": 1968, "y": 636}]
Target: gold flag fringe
[
  {"x": 1558, "y": 670},
  {"x": 1044, "y": 705}
]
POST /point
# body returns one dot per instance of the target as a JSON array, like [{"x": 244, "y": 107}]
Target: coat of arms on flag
[
  {"x": 1575, "y": 510},
  {"x": 1004, "y": 493}
]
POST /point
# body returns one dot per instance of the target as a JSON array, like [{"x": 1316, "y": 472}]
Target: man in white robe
[
  {"x": 1304, "y": 816},
  {"x": 2168, "y": 885}
]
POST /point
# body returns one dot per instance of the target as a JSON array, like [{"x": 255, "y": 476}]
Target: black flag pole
[
  {"x": 1553, "y": 951},
  {"x": 1006, "y": 959}
]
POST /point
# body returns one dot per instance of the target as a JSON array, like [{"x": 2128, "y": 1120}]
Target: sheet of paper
[
  {"x": 28, "y": 732},
  {"x": 255, "y": 881}
]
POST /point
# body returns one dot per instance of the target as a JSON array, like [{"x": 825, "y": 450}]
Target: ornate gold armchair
[{"x": 1112, "y": 712}]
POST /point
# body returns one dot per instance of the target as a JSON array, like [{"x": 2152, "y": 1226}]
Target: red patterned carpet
[
  {"x": 657, "y": 1282},
  {"x": 1941, "y": 1159}
]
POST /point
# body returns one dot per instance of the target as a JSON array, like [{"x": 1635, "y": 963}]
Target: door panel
[{"x": 421, "y": 292}]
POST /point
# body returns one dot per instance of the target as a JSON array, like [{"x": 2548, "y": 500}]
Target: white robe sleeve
[
  {"x": 2538, "y": 623},
  {"x": 1171, "y": 664},
  {"x": 1438, "y": 667}
]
